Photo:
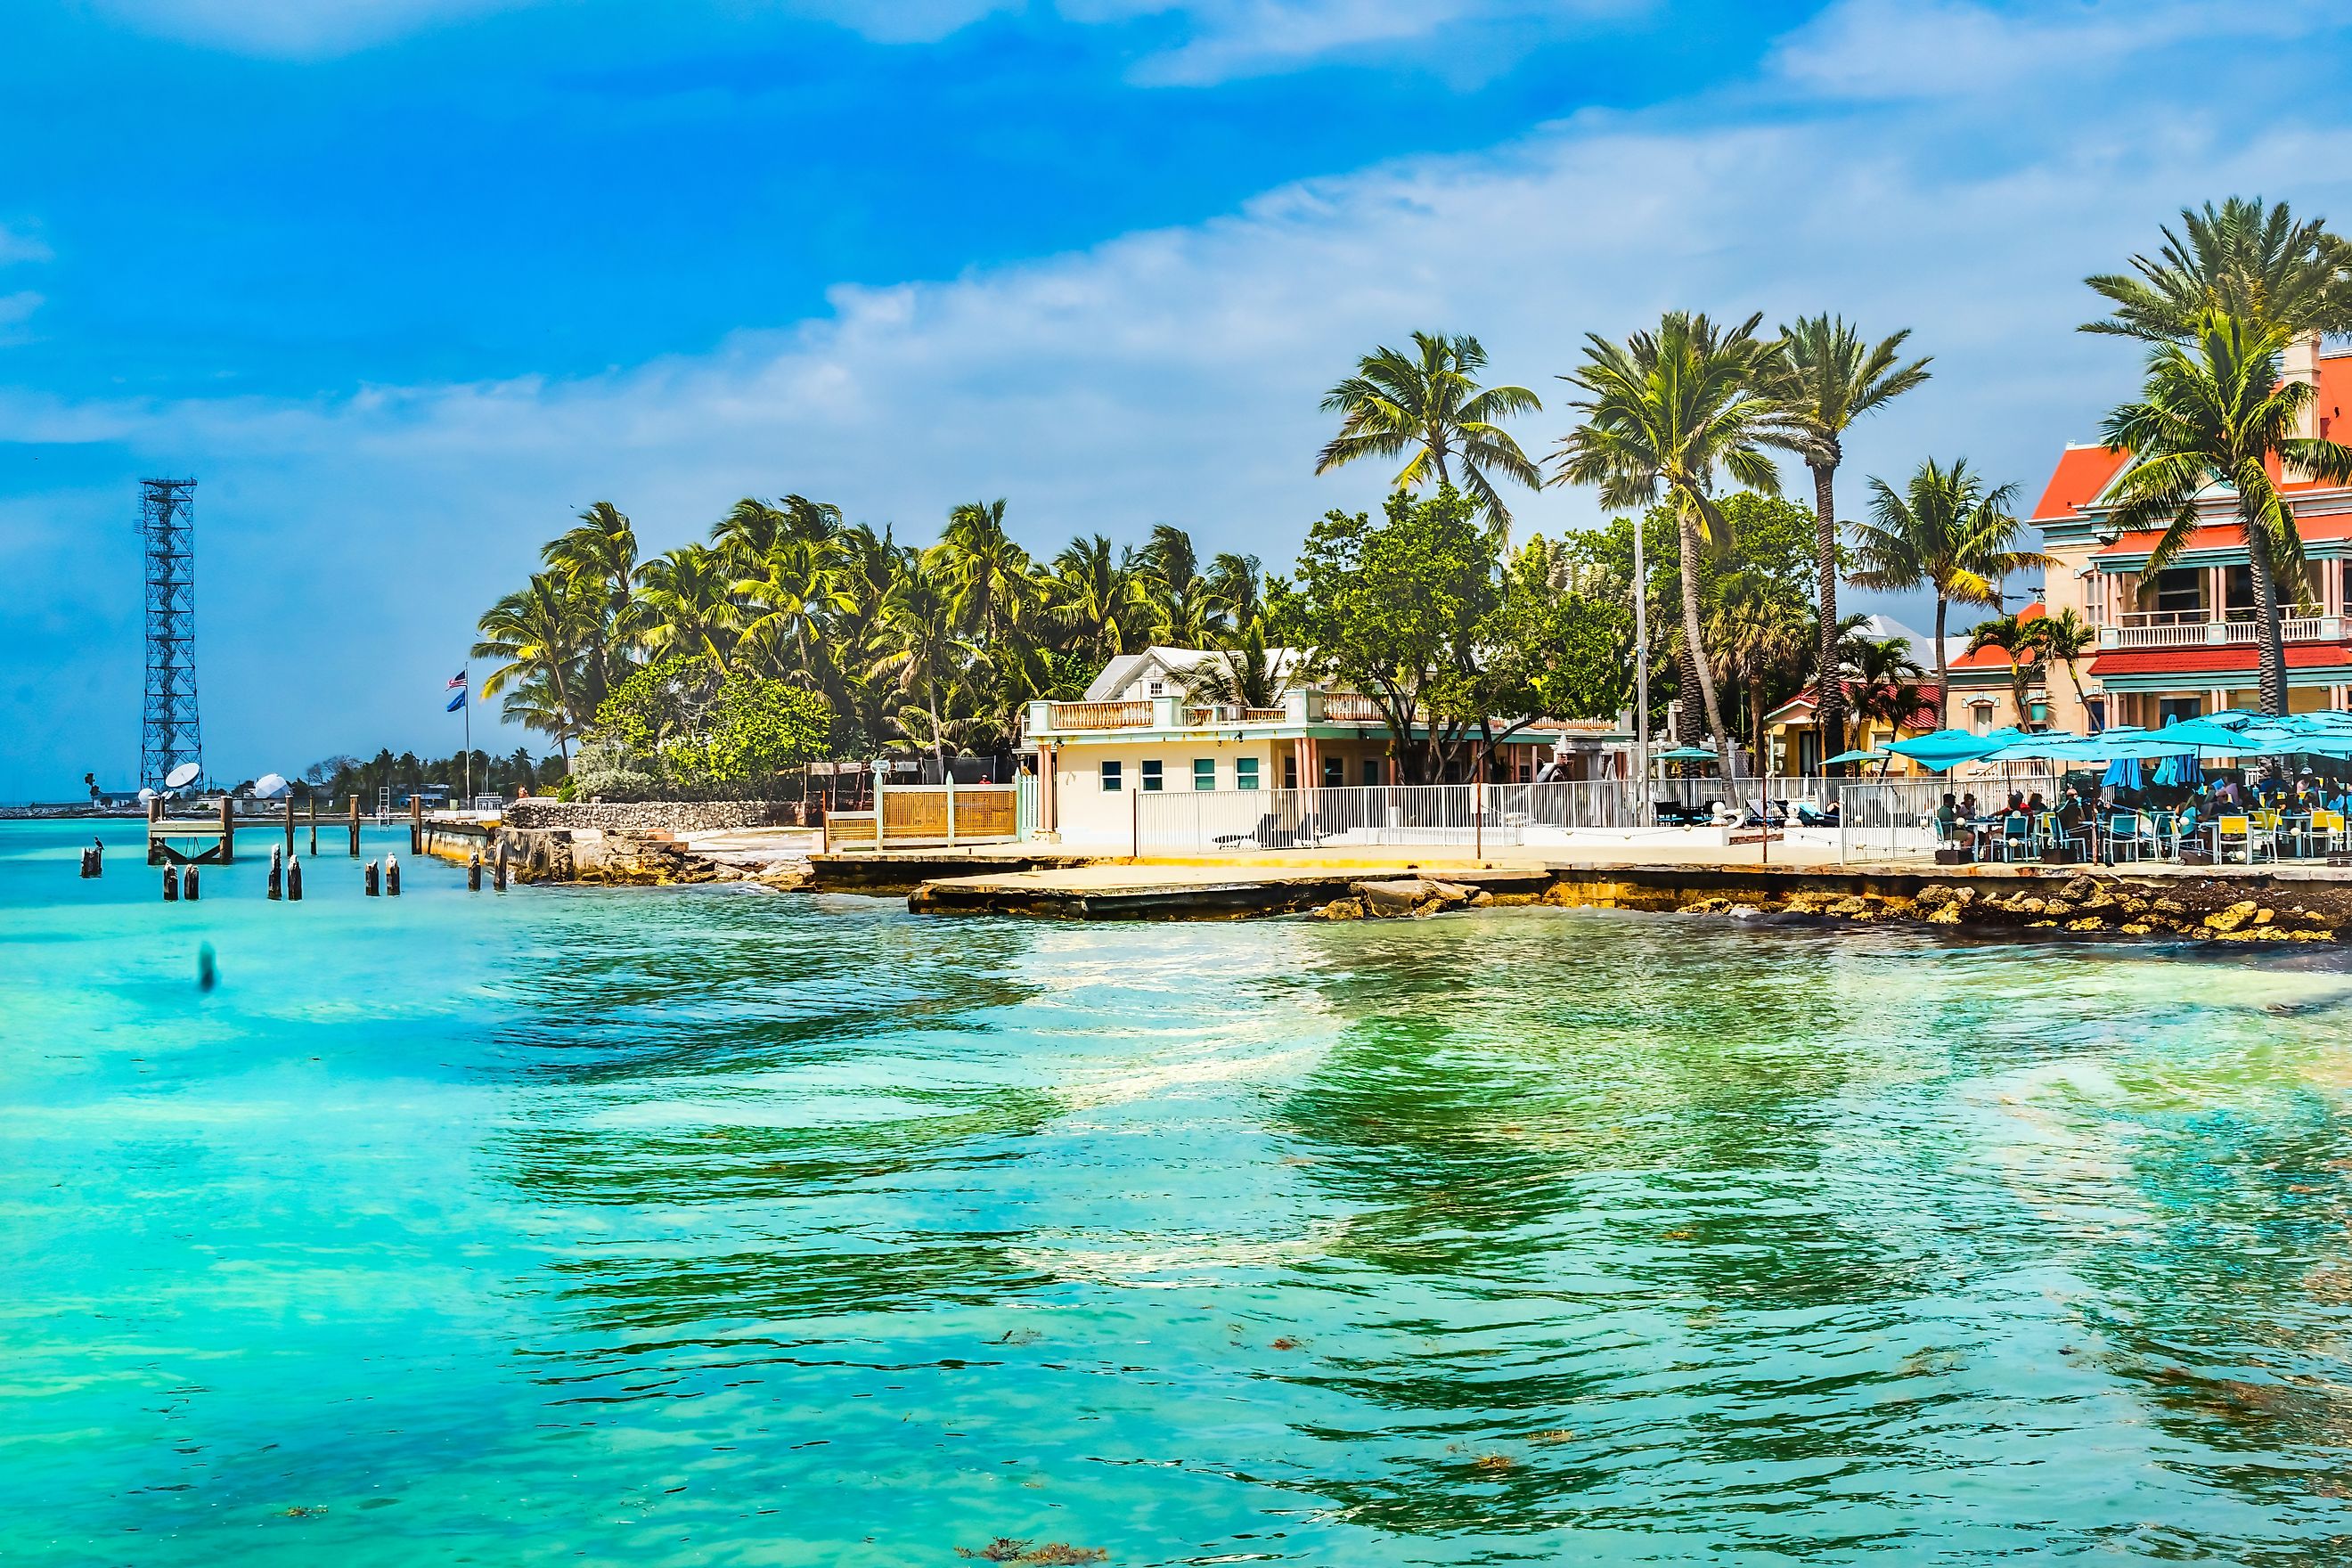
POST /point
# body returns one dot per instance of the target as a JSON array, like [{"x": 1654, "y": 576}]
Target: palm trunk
[
  {"x": 2016, "y": 690},
  {"x": 2267, "y": 618},
  {"x": 1697, "y": 654},
  {"x": 1943, "y": 669},
  {"x": 1830, "y": 709}
]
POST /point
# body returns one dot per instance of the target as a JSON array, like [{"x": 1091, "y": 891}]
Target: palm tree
[
  {"x": 1095, "y": 596},
  {"x": 1187, "y": 609},
  {"x": 601, "y": 552},
  {"x": 1429, "y": 405},
  {"x": 923, "y": 655},
  {"x": 1834, "y": 379},
  {"x": 1238, "y": 582},
  {"x": 2065, "y": 638},
  {"x": 752, "y": 527},
  {"x": 1662, "y": 413},
  {"x": 2015, "y": 638},
  {"x": 2245, "y": 258},
  {"x": 1947, "y": 533},
  {"x": 792, "y": 595},
  {"x": 686, "y": 595},
  {"x": 989, "y": 576},
  {"x": 2215, "y": 412},
  {"x": 542, "y": 631},
  {"x": 1761, "y": 636},
  {"x": 1887, "y": 682},
  {"x": 1244, "y": 673}
]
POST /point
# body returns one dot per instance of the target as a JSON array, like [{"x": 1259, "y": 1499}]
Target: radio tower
[{"x": 168, "y": 734}]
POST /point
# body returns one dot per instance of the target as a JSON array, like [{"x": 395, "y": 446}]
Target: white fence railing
[{"x": 1895, "y": 819}]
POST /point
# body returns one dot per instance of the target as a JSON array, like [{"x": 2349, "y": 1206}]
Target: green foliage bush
[{"x": 683, "y": 727}]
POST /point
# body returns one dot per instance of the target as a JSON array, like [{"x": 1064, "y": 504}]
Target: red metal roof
[
  {"x": 2081, "y": 473},
  {"x": 2225, "y": 536},
  {"x": 2240, "y": 659}
]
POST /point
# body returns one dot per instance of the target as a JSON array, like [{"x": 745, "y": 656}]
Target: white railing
[
  {"x": 1893, "y": 820},
  {"x": 2200, "y": 628}
]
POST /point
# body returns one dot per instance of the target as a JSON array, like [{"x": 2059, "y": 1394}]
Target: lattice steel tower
[{"x": 168, "y": 734}]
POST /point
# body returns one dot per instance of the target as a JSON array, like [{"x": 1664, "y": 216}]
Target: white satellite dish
[
  {"x": 146, "y": 795},
  {"x": 270, "y": 786},
  {"x": 183, "y": 775}
]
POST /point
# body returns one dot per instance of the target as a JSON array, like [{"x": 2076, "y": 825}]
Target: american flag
[{"x": 455, "y": 682}]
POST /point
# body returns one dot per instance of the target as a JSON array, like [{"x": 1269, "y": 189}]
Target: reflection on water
[{"x": 709, "y": 1225}]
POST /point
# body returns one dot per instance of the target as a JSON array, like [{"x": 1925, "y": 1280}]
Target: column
[{"x": 1049, "y": 789}]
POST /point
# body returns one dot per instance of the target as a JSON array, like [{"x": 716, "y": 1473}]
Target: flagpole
[{"x": 467, "y": 691}]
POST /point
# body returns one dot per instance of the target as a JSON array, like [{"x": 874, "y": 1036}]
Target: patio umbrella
[
  {"x": 1945, "y": 749},
  {"x": 1686, "y": 754},
  {"x": 1856, "y": 757},
  {"x": 2122, "y": 773}
]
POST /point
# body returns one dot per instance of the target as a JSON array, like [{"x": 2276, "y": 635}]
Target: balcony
[{"x": 2202, "y": 628}]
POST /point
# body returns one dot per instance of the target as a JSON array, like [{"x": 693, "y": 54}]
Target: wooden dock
[{"x": 215, "y": 835}]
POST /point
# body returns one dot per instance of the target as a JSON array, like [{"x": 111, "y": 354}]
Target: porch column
[
  {"x": 2216, "y": 591},
  {"x": 1049, "y": 789}
]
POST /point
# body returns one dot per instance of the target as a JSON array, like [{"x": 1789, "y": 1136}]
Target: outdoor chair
[
  {"x": 2129, "y": 836},
  {"x": 1258, "y": 837},
  {"x": 2016, "y": 839},
  {"x": 2253, "y": 841},
  {"x": 2074, "y": 843},
  {"x": 2165, "y": 833}
]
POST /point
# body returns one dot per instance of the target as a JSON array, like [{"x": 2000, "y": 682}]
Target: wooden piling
[
  {"x": 228, "y": 829},
  {"x": 415, "y": 823},
  {"x": 290, "y": 824},
  {"x": 355, "y": 826},
  {"x": 155, "y": 856},
  {"x": 314, "y": 828}
]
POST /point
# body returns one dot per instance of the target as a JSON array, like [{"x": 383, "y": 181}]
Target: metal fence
[{"x": 1895, "y": 819}]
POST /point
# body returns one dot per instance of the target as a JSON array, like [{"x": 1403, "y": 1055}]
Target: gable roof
[
  {"x": 1993, "y": 658},
  {"x": 2081, "y": 474},
  {"x": 1175, "y": 663}
]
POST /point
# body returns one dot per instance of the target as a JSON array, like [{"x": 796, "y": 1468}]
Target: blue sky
[{"x": 405, "y": 282}]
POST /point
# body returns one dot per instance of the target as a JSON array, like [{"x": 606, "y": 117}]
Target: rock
[
  {"x": 2135, "y": 928},
  {"x": 1452, "y": 892},
  {"x": 1745, "y": 912},
  {"x": 2079, "y": 889},
  {"x": 2264, "y": 917},
  {"x": 1392, "y": 901},
  {"x": 2027, "y": 905},
  {"x": 2059, "y": 909},
  {"x": 1341, "y": 910},
  {"x": 2088, "y": 923},
  {"x": 789, "y": 875},
  {"x": 2230, "y": 920},
  {"x": 2169, "y": 907},
  {"x": 2131, "y": 906},
  {"x": 1934, "y": 896},
  {"x": 1849, "y": 909},
  {"x": 1480, "y": 899},
  {"x": 1945, "y": 915}
]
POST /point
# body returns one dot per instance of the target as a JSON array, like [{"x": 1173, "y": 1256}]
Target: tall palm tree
[
  {"x": 1888, "y": 683},
  {"x": 1428, "y": 407},
  {"x": 601, "y": 552},
  {"x": 1245, "y": 673},
  {"x": 1947, "y": 533},
  {"x": 687, "y": 597},
  {"x": 542, "y": 631},
  {"x": 1239, "y": 584},
  {"x": 2245, "y": 258},
  {"x": 2015, "y": 638},
  {"x": 1762, "y": 637},
  {"x": 754, "y": 526},
  {"x": 991, "y": 577},
  {"x": 2067, "y": 639},
  {"x": 1834, "y": 379},
  {"x": 789, "y": 602},
  {"x": 1663, "y": 412},
  {"x": 1187, "y": 609},
  {"x": 1095, "y": 598},
  {"x": 2214, "y": 412},
  {"x": 922, "y": 654}
]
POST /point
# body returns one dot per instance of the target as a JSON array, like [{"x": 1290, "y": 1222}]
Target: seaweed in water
[{"x": 1053, "y": 1554}]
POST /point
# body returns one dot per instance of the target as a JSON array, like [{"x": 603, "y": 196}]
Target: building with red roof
[{"x": 2180, "y": 641}]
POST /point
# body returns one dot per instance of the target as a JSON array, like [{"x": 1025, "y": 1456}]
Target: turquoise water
[{"x": 714, "y": 1227}]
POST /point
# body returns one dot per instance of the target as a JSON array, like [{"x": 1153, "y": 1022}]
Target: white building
[{"x": 1138, "y": 732}]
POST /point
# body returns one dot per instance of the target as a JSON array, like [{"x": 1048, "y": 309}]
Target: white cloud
[
  {"x": 1169, "y": 376},
  {"x": 16, "y": 246},
  {"x": 1936, "y": 48},
  {"x": 1231, "y": 38},
  {"x": 15, "y": 308}
]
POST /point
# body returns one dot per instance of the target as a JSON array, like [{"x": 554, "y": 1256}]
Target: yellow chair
[{"x": 2254, "y": 840}]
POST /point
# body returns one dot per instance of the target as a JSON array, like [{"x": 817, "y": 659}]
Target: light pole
[{"x": 1640, "y": 680}]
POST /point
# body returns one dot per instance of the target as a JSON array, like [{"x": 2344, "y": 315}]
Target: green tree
[
  {"x": 2214, "y": 411},
  {"x": 1945, "y": 532},
  {"x": 1835, "y": 378},
  {"x": 923, "y": 656},
  {"x": 1762, "y": 632},
  {"x": 688, "y": 604},
  {"x": 1390, "y": 610},
  {"x": 543, "y": 631},
  {"x": 1664, "y": 412},
  {"x": 1094, "y": 598},
  {"x": 1428, "y": 407},
  {"x": 2067, "y": 639},
  {"x": 789, "y": 602},
  {"x": 600, "y": 557},
  {"x": 2015, "y": 639}
]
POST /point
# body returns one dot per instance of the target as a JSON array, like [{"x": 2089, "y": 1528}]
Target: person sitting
[
  {"x": 2035, "y": 806},
  {"x": 1969, "y": 805}
]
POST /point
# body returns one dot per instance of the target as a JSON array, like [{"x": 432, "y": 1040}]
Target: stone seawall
[{"x": 655, "y": 816}]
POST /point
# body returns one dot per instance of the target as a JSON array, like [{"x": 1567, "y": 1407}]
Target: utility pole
[{"x": 1641, "y": 679}]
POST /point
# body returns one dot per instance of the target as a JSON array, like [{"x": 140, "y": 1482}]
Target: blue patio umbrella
[
  {"x": 2122, "y": 773},
  {"x": 1947, "y": 749}
]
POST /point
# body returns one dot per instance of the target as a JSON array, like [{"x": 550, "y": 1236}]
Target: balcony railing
[
  {"x": 1352, "y": 709},
  {"x": 1102, "y": 715},
  {"x": 2201, "y": 628}
]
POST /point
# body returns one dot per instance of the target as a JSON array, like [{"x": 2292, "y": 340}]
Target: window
[
  {"x": 1110, "y": 778},
  {"x": 1290, "y": 773},
  {"x": 1335, "y": 773},
  {"x": 1151, "y": 776},
  {"x": 2167, "y": 708},
  {"x": 2094, "y": 715},
  {"x": 1980, "y": 718},
  {"x": 1204, "y": 773},
  {"x": 1246, "y": 773},
  {"x": 1158, "y": 689},
  {"x": 1371, "y": 772},
  {"x": 2180, "y": 588}
]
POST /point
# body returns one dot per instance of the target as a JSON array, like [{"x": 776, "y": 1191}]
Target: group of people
[{"x": 2080, "y": 813}]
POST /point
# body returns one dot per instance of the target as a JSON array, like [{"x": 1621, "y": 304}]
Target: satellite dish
[
  {"x": 183, "y": 775},
  {"x": 146, "y": 795},
  {"x": 270, "y": 786}
]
